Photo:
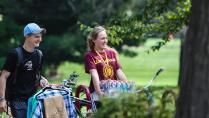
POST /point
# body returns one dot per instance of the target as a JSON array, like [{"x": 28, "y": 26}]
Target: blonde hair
[{"x": 93, "y": 35}]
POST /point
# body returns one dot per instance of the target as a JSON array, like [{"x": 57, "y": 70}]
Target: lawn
[
  {"x": 140, "y": 68},
  {"x": 143, "y": 67}
]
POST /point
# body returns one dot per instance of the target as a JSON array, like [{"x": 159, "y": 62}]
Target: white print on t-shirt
[{"x": 29, "y": 65}]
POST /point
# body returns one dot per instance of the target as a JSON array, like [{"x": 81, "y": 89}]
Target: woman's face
[{"x": 101, "y": 41}]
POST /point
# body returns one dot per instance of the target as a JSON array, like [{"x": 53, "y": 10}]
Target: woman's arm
[
  {"x": 121, "y": 75},
  {"x": 95, "y": 78}
]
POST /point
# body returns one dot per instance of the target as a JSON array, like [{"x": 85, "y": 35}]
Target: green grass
[
  {"x": 143, "y": 67},
  {"x": 140, "y": 68}
]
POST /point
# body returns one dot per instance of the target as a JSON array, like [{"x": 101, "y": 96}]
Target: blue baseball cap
[{"x": 33, "y": 28}]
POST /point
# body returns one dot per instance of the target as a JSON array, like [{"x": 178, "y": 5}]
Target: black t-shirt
[{"x": 25, "y": 85}]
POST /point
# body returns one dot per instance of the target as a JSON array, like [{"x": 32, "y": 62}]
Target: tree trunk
[{"x": 193, "y": 101}]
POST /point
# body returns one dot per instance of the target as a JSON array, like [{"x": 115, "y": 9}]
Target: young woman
[{"x": 101, "y": 62}]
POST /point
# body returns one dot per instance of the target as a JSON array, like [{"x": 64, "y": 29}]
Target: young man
[{"x": 19, "y": 82}]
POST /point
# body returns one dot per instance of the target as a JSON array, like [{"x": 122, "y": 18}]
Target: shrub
[{"x": 137, "y": 106}]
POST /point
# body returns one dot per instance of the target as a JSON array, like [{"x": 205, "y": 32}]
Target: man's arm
[{"x": 3, "y": 78}]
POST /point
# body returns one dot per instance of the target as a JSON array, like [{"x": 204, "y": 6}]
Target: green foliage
[
  {"x": 97, "y": 11},
  {"x": 127, "y": 106},
  {"x": 55, "y": 16},
  {"x": 168, "y": 102},
  {"x": 1, "y": 62},
  {"x": 145, "y": 19},
  {"x": 137, "y": 106},
  {"x": 9, "y": 37},
  {"x": 63, "y": 48},
  {"x": 129, "y": 22},
  {"x": 160, "y": 17}
]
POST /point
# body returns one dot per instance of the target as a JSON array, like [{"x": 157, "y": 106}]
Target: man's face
[{"x": 35, "y": 39}]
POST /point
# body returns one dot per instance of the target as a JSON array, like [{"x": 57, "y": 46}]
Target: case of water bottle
[{"x": 112, "y": 88}]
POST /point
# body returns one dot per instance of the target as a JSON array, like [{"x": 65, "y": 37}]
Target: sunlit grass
[{"x": 143, "y": 67}]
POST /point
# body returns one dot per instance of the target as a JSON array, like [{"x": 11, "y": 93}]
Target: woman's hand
[{"x": 100, "y": 94}]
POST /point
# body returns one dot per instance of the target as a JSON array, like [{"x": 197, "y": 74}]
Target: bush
[{"x": 137, "y": 106}]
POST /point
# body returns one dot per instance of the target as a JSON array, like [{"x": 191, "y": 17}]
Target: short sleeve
[
  {"x": 115, "y": 55},
  {"x": 89, "y": 62},
  {"x": 11, "y": 61}
]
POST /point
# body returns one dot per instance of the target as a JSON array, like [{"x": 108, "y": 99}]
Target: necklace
[
  {"x": 104, "y": 60},
  {"x": 107, "y": 69}
]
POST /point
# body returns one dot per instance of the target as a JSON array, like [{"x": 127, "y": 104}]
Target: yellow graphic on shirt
[
  {"x": 107, "y": 71},
  {"x": 97, "y": 61}
]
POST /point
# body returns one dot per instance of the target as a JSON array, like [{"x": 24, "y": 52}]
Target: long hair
[{"x": 93, "y": 35}]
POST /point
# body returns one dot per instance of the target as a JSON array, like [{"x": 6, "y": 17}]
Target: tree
[
  {"x": 193, "y": 101},
  {"x": 143, "y": 19},
  {"x": 130, "y": 21},
  {"x": 59, "y": 18}
]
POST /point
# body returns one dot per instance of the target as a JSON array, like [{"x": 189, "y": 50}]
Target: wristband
[{"x": 1, "y": 98}]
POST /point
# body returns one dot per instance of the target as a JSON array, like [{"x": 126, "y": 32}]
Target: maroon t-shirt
[{"x": 94, "y": 61}]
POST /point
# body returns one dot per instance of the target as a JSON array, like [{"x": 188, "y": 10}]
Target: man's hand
[
  {"x": 3, "y": 106},
  {"x": 43, "y": 82}
]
